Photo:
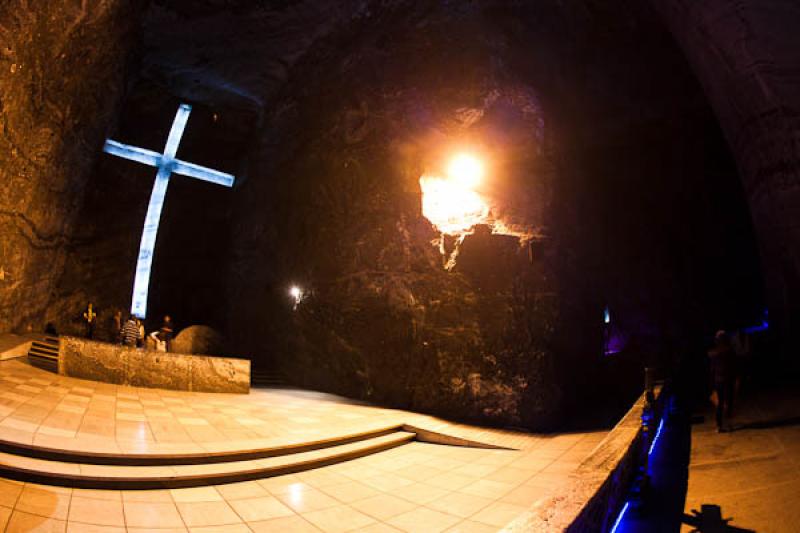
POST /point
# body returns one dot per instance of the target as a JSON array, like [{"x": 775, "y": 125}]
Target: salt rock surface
[{"x": 202, "y": 340}]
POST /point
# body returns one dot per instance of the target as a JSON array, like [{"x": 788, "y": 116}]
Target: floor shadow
[
  {"x": 709, "y": 520},
  {"x": 767, "y": 424}
]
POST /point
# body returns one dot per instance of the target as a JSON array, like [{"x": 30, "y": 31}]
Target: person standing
[
  {"x": 115, "y": 333},
  {"x": 723, "y": 379},
  {"x": 166, "y": 332},
  {"x": 141, "y": 340},
  {"x": 89, "y": 319},
  {"x": 130, "y": 332}
]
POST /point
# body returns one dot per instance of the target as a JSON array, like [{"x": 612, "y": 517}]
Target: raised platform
[
  {"x": 81, "y": 455},
  {"x": 111, "y": 363}
]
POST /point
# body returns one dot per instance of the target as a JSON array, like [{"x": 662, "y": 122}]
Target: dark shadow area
[{"x": 709, "y": 520}]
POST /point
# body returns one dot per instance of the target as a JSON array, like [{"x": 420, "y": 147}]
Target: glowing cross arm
[
  {"x": 202, "y": 173},
  {"x": 134, "y": 153}
]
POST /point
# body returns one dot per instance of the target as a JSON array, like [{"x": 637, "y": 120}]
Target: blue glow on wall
[
  {"x": 166, "y": 165},
  {"x": 606, "y": 316}
]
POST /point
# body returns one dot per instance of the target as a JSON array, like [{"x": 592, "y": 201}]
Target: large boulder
[{"x": 199, "y": 340}]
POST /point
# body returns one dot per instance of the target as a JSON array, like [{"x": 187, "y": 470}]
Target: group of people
[
  {"x": 131, "y": 331},
  {"x": 728, "y": 362}
]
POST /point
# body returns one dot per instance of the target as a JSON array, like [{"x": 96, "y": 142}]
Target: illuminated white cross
[{"x": 166, "y": 165}]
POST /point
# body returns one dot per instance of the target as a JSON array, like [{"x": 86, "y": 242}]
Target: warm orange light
[
  {"x": 466, "y": 170},
  {"x": 452, "y": 208},
  {"x": 452, "y": 204}
]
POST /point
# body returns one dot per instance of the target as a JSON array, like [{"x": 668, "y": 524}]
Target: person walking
[
  {"x": 723, "y": 379},
  {"x": 130, "y": 332}
]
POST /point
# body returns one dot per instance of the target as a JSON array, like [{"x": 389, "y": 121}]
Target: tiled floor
[
  {"x": 416, "y": 487},
  {"x": 41, "y": 408}
]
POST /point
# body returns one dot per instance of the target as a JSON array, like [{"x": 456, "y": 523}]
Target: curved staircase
[
  {"x": 75, "y": 468},
  {"x": 44, "y": 354}
]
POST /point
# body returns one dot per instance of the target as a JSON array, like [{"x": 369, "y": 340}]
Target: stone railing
[
  {"x": 594, "y": 492},
  {"x": 112, "y": 363}
]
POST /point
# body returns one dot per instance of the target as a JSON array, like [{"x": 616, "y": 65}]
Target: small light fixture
[
  {"x": 297, "y": 294},
  {"x": 606, "y": 316}
]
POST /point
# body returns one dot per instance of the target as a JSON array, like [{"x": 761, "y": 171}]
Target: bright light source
[
  {"x": 452, "y": 208},
  {"x": 606, "y": 315},
  {"x": 297, "y": 295},
  {"x": 465, "y": 170},
  {"x": 452, "y": 203}
]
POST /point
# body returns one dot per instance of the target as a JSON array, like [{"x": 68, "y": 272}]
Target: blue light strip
[
  {"x": 621, "y": 515},
  {"x": 166, "y": 164},
  {"x": 655, "y": 439}
]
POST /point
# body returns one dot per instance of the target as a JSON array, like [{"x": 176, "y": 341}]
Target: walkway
[{"x": 751, "y": 475}]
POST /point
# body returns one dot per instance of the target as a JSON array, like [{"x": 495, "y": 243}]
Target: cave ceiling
[{"x": 240, "y": 53}]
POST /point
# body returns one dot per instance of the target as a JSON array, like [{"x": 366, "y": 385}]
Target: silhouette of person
[
  {"x": 166, "y": 332},
  {"x": 723, "y": 378},
  {"x": 116, "y": 327}
]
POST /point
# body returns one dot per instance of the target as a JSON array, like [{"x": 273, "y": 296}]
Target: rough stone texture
[
  {"x": 382, "y": 319},
  {"x": 602, "y": 145},
  {"x": 587, "y": 158},
  {"x": 61, "y": 76},
  {"x": 112, "y": 363},
  {"x": 199, "y": 340},
  {"x": 746, "y": 54}
]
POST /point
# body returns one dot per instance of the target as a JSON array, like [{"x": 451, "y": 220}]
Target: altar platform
[{"x": 80, "y": 455}]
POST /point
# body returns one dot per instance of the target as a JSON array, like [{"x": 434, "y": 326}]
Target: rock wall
[
  {"x": 62, "y": 67},
  {"x": 332, "y": 204},
  {"x": 112, "y": 363},
  {"x": 588, "y": 159},
  {"x": 746, "y": 54}
]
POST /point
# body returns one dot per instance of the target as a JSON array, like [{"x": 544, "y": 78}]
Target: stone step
[
  {"x": 77, "y": 453},
  {"x": 94, "y": 476},
  {"x": 43, "y": 351},
  {"x": 44, "y": 354},
  {"x": 43, "y": 361}
]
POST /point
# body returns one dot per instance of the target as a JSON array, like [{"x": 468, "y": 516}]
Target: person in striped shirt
[{"x": 130, "y": 332}]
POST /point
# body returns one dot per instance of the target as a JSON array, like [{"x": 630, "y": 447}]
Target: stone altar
[{"x": 111, "y": 363}]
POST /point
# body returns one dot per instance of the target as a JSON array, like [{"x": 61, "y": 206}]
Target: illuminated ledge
[
  {"x": 597, "y": 485},
  {"x": 111, "y": 363}
]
